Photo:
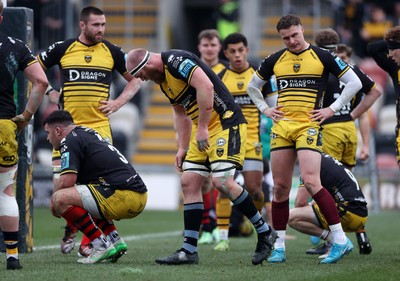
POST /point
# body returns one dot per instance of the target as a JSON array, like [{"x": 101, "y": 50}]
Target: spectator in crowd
[
  {"x": 374, "y": 27},
  {"x": 227, "y": 17}
]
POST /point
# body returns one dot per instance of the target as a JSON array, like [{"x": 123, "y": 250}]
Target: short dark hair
[
  {"x": 59, "y": 117},
  {"x": 89, "y": 10},
  {"x": 234, "y": 38},
  {"x": 287, "y": 21},
  {"x": 327, "y": 38},
  {"x": 344, "y": 48}
]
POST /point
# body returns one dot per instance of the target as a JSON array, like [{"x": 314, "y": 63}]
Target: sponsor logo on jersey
[
  {"x": 185, "y": 68},
  {"x": 88, "y": 58},
  {"x": 174, "y": 60},
  {"x": 221, "y": 142},
  {"x": 10, "y": 158},
  {"x": 342, "y": 65},
  {"x": 312, "y": 132},
  {"x": 296, "y": 67},
  {"x": 243, "y": 100},
  {"x": 75, "y": 75},
  {"x": 65, "y": 161},
  {"x": 296, "y": 83},
  {"x": 228, "y": 114}
]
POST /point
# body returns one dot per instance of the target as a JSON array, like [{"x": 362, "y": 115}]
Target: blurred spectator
[
  {"x": 48, "y": 21},
  {"x": 374, "y": 27},
  {"x": 396, "y": 13},
  {"x": 227, "y": 17},
  {"x": 350, "y": 23}
]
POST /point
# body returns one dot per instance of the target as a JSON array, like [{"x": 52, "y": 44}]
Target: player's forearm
[
  {"x": 367, "y": 101},
  {"x": 253, "y": 90},
  {"x": 39, "y": 85},
  {"x": 34, "y": 101},
  {"x": 364, "y": 126},
  {"x": 129, "y": 92},
  {"x": 353, "y": 85},
  {"x": 183, "y": 126},
  {"x": 205, "y": 101}
]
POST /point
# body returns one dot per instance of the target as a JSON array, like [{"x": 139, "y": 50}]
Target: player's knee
[
  {"x": 8, "y": 204},
  {"x": 292, "y": 218},
  {"x": 57, "y": 200}
]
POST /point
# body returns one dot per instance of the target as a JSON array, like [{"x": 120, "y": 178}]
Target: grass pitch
[{"x": 158, "y": 233}]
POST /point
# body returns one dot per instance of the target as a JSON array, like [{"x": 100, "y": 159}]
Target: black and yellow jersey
[
  {"x": 301, "y": 79},
  {"x": 379, "y": 52},
  {"x": 85, "y": 153},
  {"x": 221, "y": 65},
  {"x": 343, "y": 186},
  {"x": 179, "y": 66},
  {"x": 15, "y": 57},
  {"x": 237, "y": 84},
  {"x": 335, "y": 88},
  {"x": 86, "y": 76}
]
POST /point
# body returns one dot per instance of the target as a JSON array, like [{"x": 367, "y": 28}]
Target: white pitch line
[{"x": 126, "y": 238}]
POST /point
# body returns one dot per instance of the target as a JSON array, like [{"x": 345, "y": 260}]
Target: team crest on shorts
[
  {"x": 220, "y": 152},
  {"x": 310, "y": 140},
  {"x": 296, "y": 67},
  {"x": 88, "y": 58},
  {"x": 257, "y": 148}
]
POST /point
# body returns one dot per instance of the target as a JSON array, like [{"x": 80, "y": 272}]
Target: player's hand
[
  {"x": 321, "y": 115},
  {"x": 274, "y": 113},
  {"x": 180, "y": 156},
  {"x": 22, "y": 120},
  {"x": 108, "y": 107},
  {"x": 364, "y": 153},
  {"x": 202, "y": 139}
]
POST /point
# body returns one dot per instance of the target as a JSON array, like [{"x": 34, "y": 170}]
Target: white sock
[
  {"x": 101, "y": 243},
  {"x": 113, "y": 236},
  {"x": 338, "y": 235},
  {"x": 223, "y": 234},
  {"x": 325, "y": 234},
  {"x": 280, "y": 241}
]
